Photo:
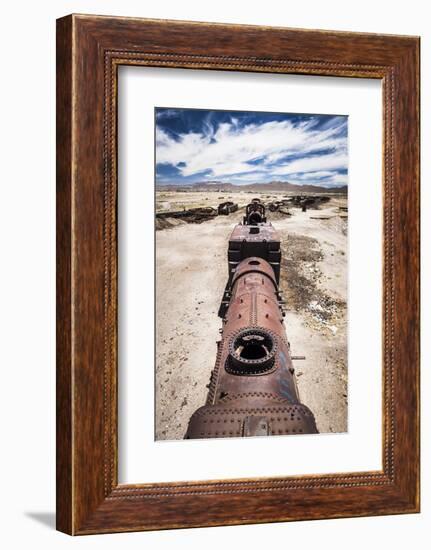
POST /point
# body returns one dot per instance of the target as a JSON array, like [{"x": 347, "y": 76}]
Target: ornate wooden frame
[{"x": 89, "y": 51}]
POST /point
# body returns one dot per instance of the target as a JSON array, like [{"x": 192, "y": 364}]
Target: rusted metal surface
[
  {"x": 191, "y": 215},
  {"x": 260, "y": 240},
  {"x": 279, "y": 206},
  {"x": 252, "y": 390},
  {"x": 248, "y": 240},
  {"x": 308, "y": 201},
  {"x": 226, "y": 208},
  {"x": 254, "y": 213},
  {"x": 298, "y": 201}
]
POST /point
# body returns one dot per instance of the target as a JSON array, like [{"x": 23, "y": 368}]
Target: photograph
[{"x": 251, "y": 273}]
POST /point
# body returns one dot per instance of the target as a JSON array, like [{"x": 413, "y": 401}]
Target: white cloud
[
  {"x": 314, "y": 175},
  {"x": 335, "y": 161},
  {"x": 230, "y": 150},
  {"x": 313, "y": 178}
]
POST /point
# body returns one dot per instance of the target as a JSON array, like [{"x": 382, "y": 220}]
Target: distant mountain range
[{"x": 262, "y": 187}]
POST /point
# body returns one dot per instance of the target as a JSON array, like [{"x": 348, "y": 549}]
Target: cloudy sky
[{"x": 242, "y": 147}]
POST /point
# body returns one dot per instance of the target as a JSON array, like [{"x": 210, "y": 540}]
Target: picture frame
[{"x": 89, "y": 51}]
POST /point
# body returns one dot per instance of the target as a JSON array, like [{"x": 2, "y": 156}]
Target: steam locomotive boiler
[{"x": 252, "y": 390}]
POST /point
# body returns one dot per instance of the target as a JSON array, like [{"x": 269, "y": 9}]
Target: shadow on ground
[{"x": 45, "y": 518}]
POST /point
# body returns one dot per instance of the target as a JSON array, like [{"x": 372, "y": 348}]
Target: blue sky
[{"x": 243, "y": 147}]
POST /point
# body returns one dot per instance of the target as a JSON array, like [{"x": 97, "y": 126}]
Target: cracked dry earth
[{"x": 191, "y": 273}]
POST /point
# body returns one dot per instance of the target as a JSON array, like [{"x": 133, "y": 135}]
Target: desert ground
[{"x": 191, "y": 273}]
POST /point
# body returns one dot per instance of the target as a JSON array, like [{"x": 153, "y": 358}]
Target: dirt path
[{"x": 190, "y": 278}]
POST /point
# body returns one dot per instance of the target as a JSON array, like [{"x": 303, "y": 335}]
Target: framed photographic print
[{"x": 237, "y": 274}]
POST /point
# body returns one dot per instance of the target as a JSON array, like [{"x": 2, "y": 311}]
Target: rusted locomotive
[{"x": 252, "y": 390}]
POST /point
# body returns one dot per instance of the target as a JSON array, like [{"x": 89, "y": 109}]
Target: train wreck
[
  {"x": 308, "y": 201},
  {"x": 252, "y": 389},
  {"x": 191, "y": 215},
  {"x": 197, "y": 215},
  {"x": 298, "y": 201},
  {"x": 226, "y": 208}
]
